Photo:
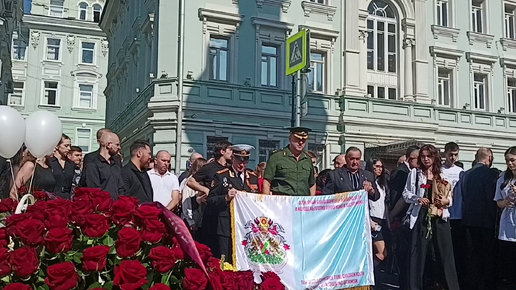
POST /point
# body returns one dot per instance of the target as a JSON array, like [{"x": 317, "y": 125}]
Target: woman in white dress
[{"x": 505, "y": 198}]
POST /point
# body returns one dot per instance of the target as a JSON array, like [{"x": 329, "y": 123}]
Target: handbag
[{"x": 405, "y": 221}]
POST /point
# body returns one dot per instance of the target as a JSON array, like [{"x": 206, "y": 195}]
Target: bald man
[
  {"x": 105, "y": 171},
  {"x": 165, "y": 185},
  {"x": 91, "y": 156},
  {"x": 193, "y": 157},
  {"x": 339, "y": 161},
  {"x": 479, "y": 215}
]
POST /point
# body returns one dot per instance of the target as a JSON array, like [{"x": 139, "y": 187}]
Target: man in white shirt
[
  {"x": 452, "y": 173},
  {"x": 164, "y": 184}
]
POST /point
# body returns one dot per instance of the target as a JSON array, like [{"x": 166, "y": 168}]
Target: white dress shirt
[{"x": 163, "y": 185}]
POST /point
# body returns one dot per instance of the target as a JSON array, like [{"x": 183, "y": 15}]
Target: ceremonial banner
[{"x": 311, "y": 242}]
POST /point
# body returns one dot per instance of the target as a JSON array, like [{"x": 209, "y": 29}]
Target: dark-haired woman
[
  {"x": 505, "y": 198},
  {"x": 378, "y": 212},
  {"x": 62, "y": 168},
  {"x": 36, "y": 168},
  {"x": 429, "y": 196},
  {"x": 320, "y": 181}
]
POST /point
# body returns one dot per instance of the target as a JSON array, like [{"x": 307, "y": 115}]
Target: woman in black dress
[
  {"x": 37, "y": 169},
  {"x": 62, "y": 168}
]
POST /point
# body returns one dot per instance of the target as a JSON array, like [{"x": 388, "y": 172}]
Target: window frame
[
  {"x": 94, "y": 50},
  {"x": 80, "y": 10},
  {"x": 267, "y": 152},
  {"x": 51, "y": 7},
  {"x": 373, "y": 34},
  {"x": 57, "y": 90},
  {"x": 215, "y": 136},
  {"x": 269, "y": 56},
  {"x": 218, "y": 50},
  {"x": 78, "y": 94},
  {"x": 476, "y": 6},
  {"x": 313, "y": 71},
  {"x": 511, "y": 95},
  {"x": 450, "y": 90},
  {"x": 60, "y": 47},
  {"x": 77, "y": 129},
  {"x": 22, "y": 95},
  {"x": 477, "y": 89},
  {"x": 440, "y": 16},
  {"x": 93, "y": 12},
  {"x": 508, "y": 16},
  {"x": 14, "y": 47}
]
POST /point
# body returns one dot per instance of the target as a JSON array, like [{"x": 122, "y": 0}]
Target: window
[
  {"x": 477, "y": 16},
  {"x": 269, "y": 65},
  {"x": 88, "y": 52},
  {"x": 509, "y": 21},
  {"x": 511, "y": 94},
  {"x": 381, "y": 41},
  {"x": 50, "y": 95},
  {"x": 319, "y": 1},
  {"x": 266, "y": 148},
  {"x": 84, "y": 139},
  {"x": 444, "y": 86},
  {"x": 56, "y": 8},
  {"x": 97, "y": 12},
  {"x": 219, "y": 60},
  {"x": 210, "y": 143},
  {"x": 317, "y": 76},
  {"x": 382, "y": 92},
  {"x": 86, "y": 96},
  {"x": 83, "y": 11},
  {"x": 19, "y": 49},
  {"x": 442, "y": 13},
  {"x": 53, "y": 48},
  {"x": 480, "y": 91},
  {"x": 16, "y": 97}
]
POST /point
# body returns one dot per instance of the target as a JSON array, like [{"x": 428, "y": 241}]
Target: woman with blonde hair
[
  {"x": 37, "y": 169},
  {"x": 193, "y": 202}
]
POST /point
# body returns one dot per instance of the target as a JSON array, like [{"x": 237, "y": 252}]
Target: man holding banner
[
  {"x": 290, "y": 171},
  {"x": 227, "y": 182}
]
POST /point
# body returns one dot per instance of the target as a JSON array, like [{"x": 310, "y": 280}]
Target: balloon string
[
  {"x": 29, "y": 191},
  {"x": 12, "y": 171}
]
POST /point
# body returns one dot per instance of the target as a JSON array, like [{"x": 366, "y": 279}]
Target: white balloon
[
  {"x": 43, "y": 133},
  {"x": 12, "y": 131}
]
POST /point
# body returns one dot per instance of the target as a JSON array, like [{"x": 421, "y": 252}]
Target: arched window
[
  {"x": 83, "y": 10},
  {"x": 97, "y": 11},
  {"x": 382, "y": 47}
]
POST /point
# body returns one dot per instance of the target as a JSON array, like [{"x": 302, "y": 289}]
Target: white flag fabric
[{"x": 311, "y": 242}]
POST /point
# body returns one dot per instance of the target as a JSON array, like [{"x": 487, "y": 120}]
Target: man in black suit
[
  {"x": 216, "y": 230},
  {"x": 351, "y": 177},
  {"x": 479, "y": 215},
  {"x": 136, "y": 180}
]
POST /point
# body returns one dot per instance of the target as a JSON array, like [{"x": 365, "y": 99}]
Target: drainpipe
[{"x": 180, "y": 77}]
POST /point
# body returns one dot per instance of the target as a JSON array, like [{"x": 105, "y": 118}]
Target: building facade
[
  {"x": 384, "y": 74},
  {"x": 59, "y": 57}
]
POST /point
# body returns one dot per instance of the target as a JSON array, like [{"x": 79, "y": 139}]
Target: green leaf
[
  {"x": 43, "y": 287},
  {"x": 95, "y": 285},
  {"x": 108, "y": 285},
  {"x": 77, "y": 258}
]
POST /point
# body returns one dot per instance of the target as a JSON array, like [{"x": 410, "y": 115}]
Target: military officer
[
  {"x": 290, "y": 171},
  {"x": 226, "y": 183}
]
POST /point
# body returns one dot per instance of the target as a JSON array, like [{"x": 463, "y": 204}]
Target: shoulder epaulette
[
  {"x": 223, "y": 171},
  {"x": 251, "y": 172}
]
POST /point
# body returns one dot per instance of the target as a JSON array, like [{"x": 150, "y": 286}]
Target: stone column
[
  {"x": 409, "y": 77},
  {"x": 351, "y": 49}
]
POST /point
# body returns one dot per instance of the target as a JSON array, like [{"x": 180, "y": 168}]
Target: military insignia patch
[{"x": 225, "y": 182}]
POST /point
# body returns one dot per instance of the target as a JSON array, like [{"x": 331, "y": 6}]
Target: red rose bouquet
[{"x": 93, "y": 242}]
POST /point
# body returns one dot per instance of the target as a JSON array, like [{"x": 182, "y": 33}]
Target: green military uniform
[{"x": 287, "y": 174}]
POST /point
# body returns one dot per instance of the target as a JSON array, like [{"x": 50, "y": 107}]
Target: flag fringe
[{"x": 233, "y": 234}]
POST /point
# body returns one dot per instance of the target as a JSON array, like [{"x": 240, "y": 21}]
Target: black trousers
[
  {"x": 441, "y": 243},
  {"x": 458, "y": 233},
  {"x": 480, "y": 244}
]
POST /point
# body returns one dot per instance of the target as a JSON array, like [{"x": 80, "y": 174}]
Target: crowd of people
[{"x": 432, "y": 223}]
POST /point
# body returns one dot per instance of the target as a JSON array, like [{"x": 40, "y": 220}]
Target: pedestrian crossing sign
[{"x": 298, "y": 56}]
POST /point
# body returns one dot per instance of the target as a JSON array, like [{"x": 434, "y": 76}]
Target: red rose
[
  {"x": 81, "y": 207},
  {"x": 270, "y": 275},
  {"x": 130, "y": 275},
  {"x": 84, "y": 193},
  {"x": 24, "y": 261},
  {"x": 162, "y": 258},
  {"x": 213, "y": 263},
  {"x": 178, "y": 253},
  {"x": 194, "y": 279},
  {"x": 272, "y": 284},
  {"x": 59, "y": 240},
  {"x": 159, "y": 286},
  {"x": 12, "y": 220},
  {"x": 18, "y": 286},
  {"x": 228, "y": 279},
  {"x": 101, "y": 201},
  {"x": 123, "y": 209},
  {"x": 244, "y": 280},
  {"x": 30, "y": 232},
  {"x": 204, "y": 251},
  {"x": 8, "y": 205},
  {"x": 3, "y": 238},
  {"x": 145, "y": 212},
  {"x": 5, "y": 266},
  {"x": 153, "y": 231},
  {"x": 128, "y": 243},
  {"x": 94, "y": 258},
  {"x": 58, "y": 213},
  {"x": 40, "y": 195},
  {"x": 38, "y": 209},
  {"x": 93, "y": 225},
  {"x": 62, "y": 276}
]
